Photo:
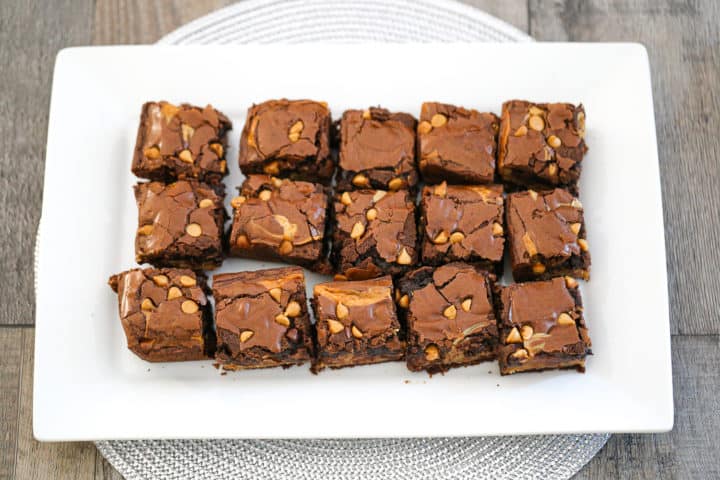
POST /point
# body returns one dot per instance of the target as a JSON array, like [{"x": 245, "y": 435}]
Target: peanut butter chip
[
  {"x": 379, "y": 195},
  {"x": 145, "y": 230},
  {"x": 147, "y": 304},
  {"x": 404, "y": 301},
  {"x": 187, "y": 281},
  {"x": 457, "y": 237},
  {"x": 466, "y": 304},
  {"x": 341, "y": 311},
  {"x": 404, "y": 258},
  {"x": 186, "y": 156},
  {"x": 360, "y": 180},
  {"x": 513, "y": 336},
  {"x": 275, "y": 293},
  {"x": 187, "y": 132},
  {"x": 297, "y": 127},
  {"x": 345, "y": 199},
  {"x": 450, "y": 312},
  {"x": 282, "y": 320},
  {"x": 526, "y": 332},
  {"x": 554, "y": 141},
  {"x": 193, "y": 229},
  {"x": 431, "y": 353},
  {"x": 218, "y": 149},
  {"x": 536, "y": 123},
  {"x": 396, "y": 183},
  {"x": 367, "y": 115},
  {"x": 152, "y": 152},
  {"x": 357, "y": 231},
  {"x": 440, "y": 190},
  {"x": 497, "y": 229},
  {"x": 277, "y": 183},
  {"x": 246, "y": 335},
  {"x": 205, "y": 203},
  {"x": 161, "y": 280},
  {"x": 237, "y": 201},
  {"x": 173, "y": 293},
  {"x": 521, "y": 355},
  {"x": 552, "y": 169},
  {"x": 189, "y": 307},
  {"x": 529, "y": 244},
  {"x": 583, "y": 244},
  {"x": 285, "y": 247},
  {"x": 294, "y": 137},
  {"x": 265, "y": 195},
  {"x": 521, "y": 132},
  {"x": 356, "y": 332},
  {"x": 293, "y": 309},
  {"x": 538, "y": 269},
  {"x": 371, "y": 214},
  {"x": 335, "y": 326},
  {"x": 438, "y": 120},
  {"x": 533, "y": 194},
  {"x": 571, "y": 282},
  {"x": 575, "y": 227},
  {"x": 424, "y": 127},
  {"x": 576, "y": 204},
  {"x": 565, "y": 319},
  {"x": 272, "y": 168},
  {"x": 440, "y": 238}
]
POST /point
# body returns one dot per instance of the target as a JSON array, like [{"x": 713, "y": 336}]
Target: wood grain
[
  {"x": 682, "y": 39},
  {"x": 29, "y": 40},
  {"x": 10, "y": 365}
]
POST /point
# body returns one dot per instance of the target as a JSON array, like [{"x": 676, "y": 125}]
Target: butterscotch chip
[
  {"x": 275, "y": 293},
  {"x": 147, "y": 304},
  {"x": 466, "y": 304},
  {"x": 246, "y": 335},
  {"x": 335, "y": 326},
  {"x": 297, "y": 127},
  {"x": 282, "y": 320},
  {"x": 497, "y": 229},
  {"x": 440, "y": 190},
  {"x": 277, "y": 183},
  {"x": 521, "y": 355},
  {"x": 293, "y": 309},
  {"x": 174, "y": 292},
  {"x": 457, "y": 237},
  {"x": 379, "y": 195},
  {"x": 521, "y": 131},
  {"x": 576, "y": 204},
  {"x": 575, "y": 227},
  {"x": 193, "y": 229},
  {"x": 538, "y": 268},
  {"x": 345, "y": 199},
  {"x": 533, "y": 194},
  {"x": 424, "y": 127},
  {"x": 360, "y": 180},
  {"x": 571, "y": 282},
  {"x": 285, "y": 247},
  {"x": 404, "y": 258},
  {"x": 218, "y": 149},
  {"x": 145, "y": 230},
  {"x": 583, "y": 244},
  {"x": 294, "y": 136},
  {"x": 450, "y": 312},
  {"x": 431, "y": 353},
  {"x": 272, "y": 168},
  {"x": 367, "y": 115},
  {"x": 554, "y": 141},
  {"x": 440, "y": 238},
  {"x": 438, "y": 120},
  {"x": 513, "y": 336},
  {"x": 341, "y": 311},
  {"x": 356, "y": 332},
  {"x": 404, "y": 301},
  {"x": 526, "y": 332},
  {"x": 187, "y": 132},
  {"x": 187, "y": 281},
  {"x": 242, "y": 241},
  {"x": 161, "y": 280},
  {"x": 552, "y": 169},
  {"x": 565, "y": 319},
  {"x": 265, "y": 195},
  {"x": 396, "y": 184},
  {"x": 152, "y": 152},
  {"x": 189, "y": 307},
  {"x": 205, "y": 203},
  {"x": 357, "y": 230},
  {"x": 536, "y": 123},
  {"x": 237, "y": 201},
  {"x": 529, "y": 244},
  {"x": 186, "y": 156},
  {"x": 371, "y": 214}
]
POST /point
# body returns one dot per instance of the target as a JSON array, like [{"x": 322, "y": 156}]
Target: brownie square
[
  {"x": 449, "y": 316},
  {"x": 288, "y": 138},
  {"x": 179, "y": 225},
  {"x": 541, "y": 144},
  {"x": 463, "y": 223},
  {"x": 546, "y": 234},
  {"x": 542, "y": 327},
  {"x": 374, "y": 234},
  {"x": 177, "y": 142},
  {"x": 262, "y": 319},
  {"x": 456, "y": 145},
  {"x": 281, "y": 219},
  {"x": 165, "y": 314},
  {"x": 377, "y": 150},
  {"x": 356, "y": 323}
]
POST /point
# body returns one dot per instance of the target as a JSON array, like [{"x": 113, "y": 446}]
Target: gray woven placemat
[{"x": 523, "y": 457}]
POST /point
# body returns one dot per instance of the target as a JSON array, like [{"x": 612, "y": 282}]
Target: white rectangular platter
[{"x": 89, "y": 386}]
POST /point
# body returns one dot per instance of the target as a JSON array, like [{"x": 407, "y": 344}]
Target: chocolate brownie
[
  {"x": 165, "y": 314},
  {"x": 262, "y": 319},
  {"x": 179, "y": 225},
  {"x": 377, "y": 150},
  {"x": 541, "y": 144},
  {"x": 456, "y": 145},
  {"x": 288, "y": 138},
  {"x": 177, "y": 142},
  {"x": 546, "y": 235},
  {"x": 356, "y": 324},
  {"x": 280, "y": 219},
  {"x": 374, "y": 233},
  {"x": 449, "y": 315},
  {"x": 463, "y": 223},
  {"x": 542, "y": 327}
]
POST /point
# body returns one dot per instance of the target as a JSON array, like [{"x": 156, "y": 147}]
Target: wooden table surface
[{"x": 682, "y": 38}]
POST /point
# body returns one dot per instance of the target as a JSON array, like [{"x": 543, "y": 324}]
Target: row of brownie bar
[
  {"x": 434, "y": 318},
  {"x": 373, "y": 230}
]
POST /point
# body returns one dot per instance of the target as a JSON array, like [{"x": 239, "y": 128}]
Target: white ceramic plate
[{"x": 89, "y": 386}]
